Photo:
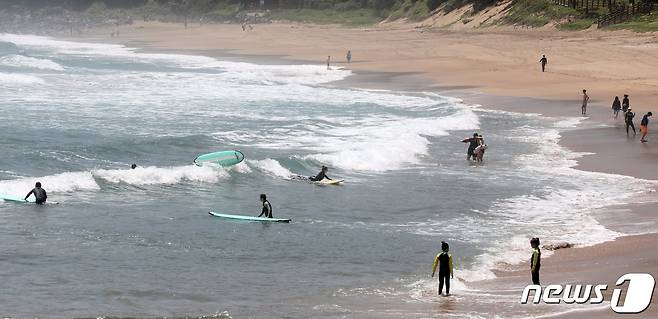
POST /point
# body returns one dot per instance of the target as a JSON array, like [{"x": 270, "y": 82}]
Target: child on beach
[
  {"x": 535, "y": 260},
  {"x": 328, "y": 62},
  {"x": 583, "y": 108},
  {"x": 444, "y": 261},
  {"x": 644, "y": 127}
]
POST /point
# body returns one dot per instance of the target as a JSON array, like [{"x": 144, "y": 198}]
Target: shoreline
[{"x": 596, "y": 136}]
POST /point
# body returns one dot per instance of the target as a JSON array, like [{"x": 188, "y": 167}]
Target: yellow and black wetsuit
[
  {"x": 535, "y": 265},
  {"x": 444, "y": 261}
]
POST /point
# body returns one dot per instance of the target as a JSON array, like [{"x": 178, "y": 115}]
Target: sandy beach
[{"x": 497, "y": 69}]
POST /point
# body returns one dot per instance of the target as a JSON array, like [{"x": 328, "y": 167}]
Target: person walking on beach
[
  {"x": 628, "y": 118},
  {"x": 625, "y": 104},
  {"x": 543, "y": 62},
  {"x": 443, "y": 261},
  {"x": 644, "y": 127},
  {"x": 328, "y": 62},
  {"x": 473, "y": 143},
  {"x": 583, "y": 108},
  {"x": 40, "y": 195},
  {"x": 616, "y": 106},
  {"x": 535, "y": 260},
  {"x": 267, "y": 207},
  {"x": 349, "y": 56}
]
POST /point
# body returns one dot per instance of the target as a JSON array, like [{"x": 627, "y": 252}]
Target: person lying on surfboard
[
  {"x": 322, "y": 175},
  {"x": 40, "y": 195},
  {"x": 267, "y": 207}
]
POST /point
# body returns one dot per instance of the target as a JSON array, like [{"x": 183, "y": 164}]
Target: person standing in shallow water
[
  {"x": 644, "y": 127},
  {"x": 473, "y": 143},
  {"x": 267, "y": 207},
  {"x": 349, "y": 56},
  {"x": 616, "y": 106},
  {"x": 443, "y": 261},
  {"x": 628, "y": 118},
  {"x": 583, "y": 108},
  {"x": 543, "y": 62},
  {"x": 328, "y": 62},
  {"x": 625, "y": 104},
  {"x": 535, "y": 260}
]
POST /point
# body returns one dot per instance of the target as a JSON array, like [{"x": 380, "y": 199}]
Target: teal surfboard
[
  {"x": 223, "y": 158},
  {"x": 250, "y": 218},
  {"x": 16, "y": 199}
]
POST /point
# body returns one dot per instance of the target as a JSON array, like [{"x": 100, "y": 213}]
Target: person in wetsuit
[
  {"x": 644, "y": 126},
  {"x": 625, "y": 104},
  {"x": 535, "y": 260},
  {"x": 628, "y": 118},
  {"x": 267, "y": 207},
  {"x": 474, "y": 142},
  {"x": 39, "y": 194},
  {"x": 444, "y": 262},
  {"x": 322, "y": 175}
]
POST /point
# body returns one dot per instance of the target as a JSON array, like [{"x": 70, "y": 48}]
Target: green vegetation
[
  {"x": 537, "y": 13},
  {"x": 647, "y": 23},
  {"x": 576, "y": 25}
]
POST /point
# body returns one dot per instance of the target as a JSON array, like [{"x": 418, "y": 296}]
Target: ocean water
[{"x": 140, "y": 243}]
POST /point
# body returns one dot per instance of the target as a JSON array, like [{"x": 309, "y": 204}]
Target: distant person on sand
[
  {"x": 40, "y": 195},
  {"x": 625, "y": 104},
  {"x": 644, "y": 127},
  {"x": 535, "y": 260},
  {"x": 473, "y": 143},
  {"x": 583, "y": 108},
  {"x": 616, "y": 106},
  {"x": 328, "y": 62},
  {"x": 322, "y": 175},
  {"x": 628, "y": 118},
  {"x": 349, "y": 56},
  {"x": 444, "y": 262},
  {"x": 267, "y": 207},
  {"x": 543, "y": 62}
]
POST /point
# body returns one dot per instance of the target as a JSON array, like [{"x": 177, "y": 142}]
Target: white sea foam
[
  {"x": 162, "y": 175},
  {"x": 386, "y": 145},
  {"x": 21, "y": 61},
  {"x": 271, "y": 167},
  {"x": 58, "y": 183},
  {"x": 12, "y": 78}
]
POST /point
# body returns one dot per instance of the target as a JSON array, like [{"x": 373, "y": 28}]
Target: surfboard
[
  {"x": 329, "y": 182},
  {"x": 223, "y": 158},
  {"x": 250, "y": 218},
  {"x": 16, "y": 199},
  {"x": 480, "y": 148}
]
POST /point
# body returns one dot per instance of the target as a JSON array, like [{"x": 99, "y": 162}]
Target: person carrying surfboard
[
  {"x": 322, "y": 175},
  {"x": 443, "y": 261},
  {"x": 40, "y": 195},
  {"x": 267, "y": 207}
]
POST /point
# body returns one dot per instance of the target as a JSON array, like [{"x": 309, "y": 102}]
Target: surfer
[
  {"x": 644, "y": 126},
  {"x": 322, "y": 175},
  {"x": 474, "y": 142},
  {"x": 628, "y": 118},
  {"x": 535, "y": 260},
  {"x": 133, "y": 166},
  {"x": 39, "y": 194},
  {"x": 444, "y": 261},
  {"x": 267, "y": 207}
]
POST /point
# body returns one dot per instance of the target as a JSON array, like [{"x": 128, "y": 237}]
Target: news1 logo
[{"x": 637, "y": 299}]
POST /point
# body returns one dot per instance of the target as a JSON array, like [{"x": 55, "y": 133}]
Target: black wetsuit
[
  {"x": 39, "y": 194},
  {"x": 444, "y": 272},
  {"x": 628, "y": 117},
  {"x": 625, "y": 105},
  {"x": 543, "y": 61},
  {"x": 535, "y": 265},
  {"x": 474, "y": 143},
  {"x": 267, "y": 209},
  {"x": 320, "y": 177}
]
